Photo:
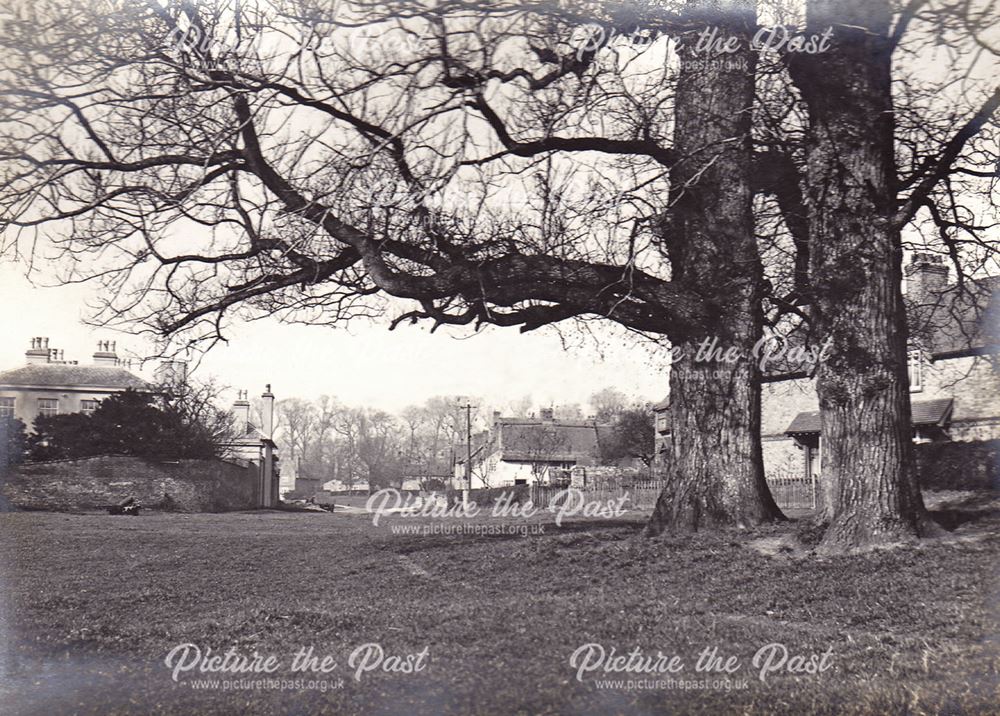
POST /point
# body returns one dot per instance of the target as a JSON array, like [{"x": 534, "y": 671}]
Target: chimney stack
[
  {"x": 39, "y": 351},
  {"x": 267, "y": 413},
  {"x": 241, "y": 413},
  {"x": 171, "y": 373},
  {"x": 268, "y": 485},
  {"x": 926, "y": 278},
  {"x": 105, "y": 354}
]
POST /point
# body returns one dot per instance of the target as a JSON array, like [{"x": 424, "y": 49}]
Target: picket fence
[{"x": 792, "y": 491}]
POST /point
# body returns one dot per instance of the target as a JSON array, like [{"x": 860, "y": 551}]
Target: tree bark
[
  {"x": 871, "y": 496},
  {"x": 716, "y": 474}
]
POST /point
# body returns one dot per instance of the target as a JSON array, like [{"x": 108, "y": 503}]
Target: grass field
[{"x": 92, "y": 604}]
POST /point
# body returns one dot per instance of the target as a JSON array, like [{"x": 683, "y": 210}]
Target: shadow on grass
[
  {"x": 953, "y": 518},
  {"x": 953, "y": 510}
]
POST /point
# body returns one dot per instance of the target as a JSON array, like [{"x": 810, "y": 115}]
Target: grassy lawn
[{"x": 91, "y": 605}]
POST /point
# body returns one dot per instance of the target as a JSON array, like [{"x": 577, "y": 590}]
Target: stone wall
[{"x": 98, "y": 482}]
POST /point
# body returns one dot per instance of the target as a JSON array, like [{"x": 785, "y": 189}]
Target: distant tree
[
  {"x": 521, "y": 408},
  {"x": 296, "y": 424},
  {"x": 542, "y": 446},
  {"x": 569, "y": 411},
  {"x": 632, "y": 436},
  {"x": 607, "y": 404},
  {"x": 128, "y": 423},
  {"x": 484, "y": 468},
  {"x": 431, "y": 431},
  {"x": 374, "y": 446},
  {"x": 322, "y": 457},
  {"x": 195, "y": 404}
]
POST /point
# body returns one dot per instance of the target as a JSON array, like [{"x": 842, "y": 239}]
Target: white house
[{"x": 527, "y": 451}]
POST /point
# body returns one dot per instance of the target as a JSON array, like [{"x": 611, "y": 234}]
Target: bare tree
[
  {"x": 607, "y": 403},
  {"x": 197, "y": 404},
  {"x": 373, "y": 443},
  {"x": 432, "y": 433},
  {"x": 859, "y": 204},
  {"x": 542, "y": 446},
  {"x": 520, "y": 408},
  {"x": 296, "y": 429}
]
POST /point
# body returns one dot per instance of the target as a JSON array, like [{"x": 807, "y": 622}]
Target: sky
[{"x": 363, "y": 364}]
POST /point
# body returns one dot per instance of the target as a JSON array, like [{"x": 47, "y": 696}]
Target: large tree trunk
[
  {"x": 716, "y": 474},
  {"x": 871, "y": 495}
]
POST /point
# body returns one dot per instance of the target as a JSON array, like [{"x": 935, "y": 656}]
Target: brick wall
[
  {"x": 97, "y": 482},
  {"x": 781, "y": 401}
]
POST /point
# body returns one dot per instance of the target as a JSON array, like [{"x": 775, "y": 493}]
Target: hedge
[{"x": 959, "y": 465}]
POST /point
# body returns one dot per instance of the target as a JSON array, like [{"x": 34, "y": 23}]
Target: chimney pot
[
  {"x": 105, "y": 354},
  {"x": 36, "y": 354}
]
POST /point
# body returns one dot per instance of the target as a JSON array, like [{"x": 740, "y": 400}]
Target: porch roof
[{"x": 924, "y": 413}]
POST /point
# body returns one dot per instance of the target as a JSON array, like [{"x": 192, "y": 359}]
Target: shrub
[{"x": 959, "y": 465}]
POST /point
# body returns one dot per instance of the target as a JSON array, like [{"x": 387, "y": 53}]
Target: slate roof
[
  {"x": 252, "y": 436},
  {"x": 60, "y": 375},
  {"x": 925, "y": 412}
]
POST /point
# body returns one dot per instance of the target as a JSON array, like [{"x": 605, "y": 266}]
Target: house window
[
  {"x": 914, "y": 367},
  {"x": 87, "y": 407},
  {"x": 6, "y": 407},
  {"x": 48, "y": 406}
]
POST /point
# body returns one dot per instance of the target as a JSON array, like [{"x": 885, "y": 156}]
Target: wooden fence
[
  {"x": 793, "y": 492},
  {"x": 640, "y": 495}
]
